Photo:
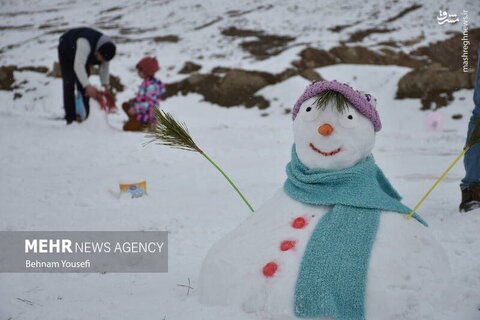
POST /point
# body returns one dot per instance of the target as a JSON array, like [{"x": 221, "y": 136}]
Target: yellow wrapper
[{"x": 125, "y": 187}]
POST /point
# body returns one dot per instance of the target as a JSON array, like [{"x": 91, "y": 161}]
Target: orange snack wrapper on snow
[{"x": 137, "y": 189}]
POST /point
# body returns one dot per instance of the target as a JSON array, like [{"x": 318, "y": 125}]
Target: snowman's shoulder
[
  {"x": 275, "y": 209},
  {"x": 394, "y": 228},
  {"x": 279, "y": 201},
  {"x": 409, "y": 244},
  {"x": 282, "y": 201},
  {"x": 281, "y": 207},
  {"x": 404, "y": 258}
]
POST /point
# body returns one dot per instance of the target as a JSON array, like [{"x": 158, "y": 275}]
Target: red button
[
  {"x": 299, "y": 223},
  {"x": 269, "y": 269},
  {"x": 287, "y": 245}
]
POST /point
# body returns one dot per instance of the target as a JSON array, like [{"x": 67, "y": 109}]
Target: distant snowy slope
[{"x": 34, "y": 26}]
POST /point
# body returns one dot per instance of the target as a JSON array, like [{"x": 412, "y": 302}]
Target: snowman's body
[{"x": 403, "y": 260}]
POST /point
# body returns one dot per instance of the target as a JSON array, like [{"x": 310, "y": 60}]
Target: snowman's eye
[
  {"x": 348, "y": 120},
  {"x": 311, "y": 113}
]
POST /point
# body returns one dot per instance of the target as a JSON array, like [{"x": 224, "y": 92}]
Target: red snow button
[
  {"x": 287, "y": 245},
  {"x": 269, "y": 269},
  {"x": 299, "y": 223}
]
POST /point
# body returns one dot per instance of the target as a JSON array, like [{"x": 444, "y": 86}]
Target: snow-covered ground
[{"x": 55, "y": 177}]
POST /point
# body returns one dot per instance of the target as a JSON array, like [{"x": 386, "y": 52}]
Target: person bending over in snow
[
  {"x": 78, "y": 50},
  {"x": 471, "y": 183},
  {"x": 140, "y": 109}
]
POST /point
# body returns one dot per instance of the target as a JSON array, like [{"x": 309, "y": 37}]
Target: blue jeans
[{"x": 472, "y": 157}]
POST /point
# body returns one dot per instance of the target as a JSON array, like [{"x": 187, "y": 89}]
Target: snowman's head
[{"x": 331, "y": 132}]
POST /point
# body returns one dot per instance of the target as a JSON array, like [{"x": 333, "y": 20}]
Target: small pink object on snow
[{"x": 433, "y": 121}]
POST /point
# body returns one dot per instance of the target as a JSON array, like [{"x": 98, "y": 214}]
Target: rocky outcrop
[
  {"x": 434, "y": 86},
  {"x": 226, "y": 87},
  {"x": 361, "y": 55},
  {"x": 448, "y": 52},
  {"x": 437, "y": 68},
  {"x": 233, "y": 87},
  {"x": 55, "y": 72},
  {"x": 359, "y": 35},
  {"x": 316, "y": 58},
  {"x": 443, "y": 73},
  {"x": 7, "y": 77},
  {"x": 262, "y": 45},
  {"x": 189, "y": 67}
]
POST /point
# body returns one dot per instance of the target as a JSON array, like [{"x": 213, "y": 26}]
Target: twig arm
[
  {"x": 228, "y": 179},
  {"x": 437, "y": 182}
]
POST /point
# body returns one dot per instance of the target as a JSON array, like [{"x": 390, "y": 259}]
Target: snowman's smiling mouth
[{"x": 323, "y": 153}]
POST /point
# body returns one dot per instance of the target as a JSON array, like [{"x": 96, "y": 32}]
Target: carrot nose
[{"x": 325, "y": 129}]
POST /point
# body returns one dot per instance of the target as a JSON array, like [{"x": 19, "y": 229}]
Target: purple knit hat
[{"x": 364, "y": 103}]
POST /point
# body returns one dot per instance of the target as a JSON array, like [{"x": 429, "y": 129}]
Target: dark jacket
[{"x": 68, "y": 44}]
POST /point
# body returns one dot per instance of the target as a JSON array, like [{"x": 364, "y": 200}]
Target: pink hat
[{"x": 364, "y": 103}]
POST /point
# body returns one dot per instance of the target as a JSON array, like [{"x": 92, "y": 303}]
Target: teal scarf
[{"x": 333, "y": 272}]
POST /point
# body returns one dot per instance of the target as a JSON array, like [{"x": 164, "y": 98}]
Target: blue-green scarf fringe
[{"x": 333, "y": 272}]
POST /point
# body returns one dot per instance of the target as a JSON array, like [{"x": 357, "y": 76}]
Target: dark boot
[
  {"x": 470, "y": 199},
  {"x": 125, "y": 107}
]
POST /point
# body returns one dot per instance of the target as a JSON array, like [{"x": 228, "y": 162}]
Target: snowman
[{"x": 333, "y": 243}]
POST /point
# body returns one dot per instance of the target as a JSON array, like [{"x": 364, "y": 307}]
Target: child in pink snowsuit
[{"x": 140, "y": 109}]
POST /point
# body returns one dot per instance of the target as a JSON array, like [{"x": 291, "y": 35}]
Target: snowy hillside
[{"x": 65, "y": 178}]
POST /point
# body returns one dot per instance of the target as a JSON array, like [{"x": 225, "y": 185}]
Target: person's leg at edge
[
  {"x": 470, "y": 184},
  {"x": 68, "y": 80},
  {"x": 472, "y": 157}
]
